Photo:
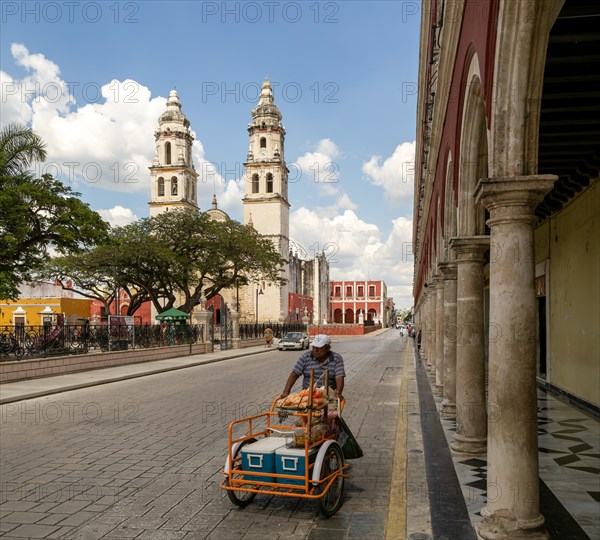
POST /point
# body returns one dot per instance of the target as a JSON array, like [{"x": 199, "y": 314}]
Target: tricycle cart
[{"x": 299, "y": 456}]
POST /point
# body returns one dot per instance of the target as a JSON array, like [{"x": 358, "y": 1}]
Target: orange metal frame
[{"x": 237, "y": 479}]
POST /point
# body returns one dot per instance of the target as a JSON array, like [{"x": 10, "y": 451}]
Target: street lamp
[{"x": 258, "y": 291}]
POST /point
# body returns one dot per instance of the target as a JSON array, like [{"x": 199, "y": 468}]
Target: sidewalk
[
  {"x": 31, "y": 388},
  {"x": 162, "y": 482},
  {"x": 43, "y": 386}
]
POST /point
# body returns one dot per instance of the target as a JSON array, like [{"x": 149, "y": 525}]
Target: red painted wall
[
  {"x": 298, "y": 305},
  {"x": 142, "y": 314},
  {"x": 477, "y": 36}
]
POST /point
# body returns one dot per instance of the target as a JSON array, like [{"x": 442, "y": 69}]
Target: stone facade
[
  {"x": 266, "y": 208},
  {"x": 173, "y": 179},
  {"x": 265, "y": 205},
  {"x": 506, "y": 198}
]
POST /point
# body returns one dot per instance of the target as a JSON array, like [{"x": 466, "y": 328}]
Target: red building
[
  {"x": 358, "y": 301},
  {"x": 299, "y": 305},
  {"x": 98, "y": 311}
]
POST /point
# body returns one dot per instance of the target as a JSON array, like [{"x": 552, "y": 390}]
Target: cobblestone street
[{"x": 140, "y": 458}]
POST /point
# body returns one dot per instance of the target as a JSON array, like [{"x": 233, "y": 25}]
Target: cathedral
[{"x": 173, "y": 184}]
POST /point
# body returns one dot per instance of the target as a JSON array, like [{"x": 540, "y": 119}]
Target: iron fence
[
  {"x": 18, "y": 342},
  {"x": 254, "y": 331}
]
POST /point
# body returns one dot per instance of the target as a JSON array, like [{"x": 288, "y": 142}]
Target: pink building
[{"x": 359, "y": 301}]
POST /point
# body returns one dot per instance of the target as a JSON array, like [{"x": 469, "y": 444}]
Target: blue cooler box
[
  {"x": 292, "y": 461},
  {"x": 260, "y": 457}
]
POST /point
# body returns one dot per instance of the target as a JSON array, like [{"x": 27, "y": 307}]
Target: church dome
[
  {"x": 216, "y": 214},
  {"x": 173, "y": 112},
  {"x": 266, "y": 107}
]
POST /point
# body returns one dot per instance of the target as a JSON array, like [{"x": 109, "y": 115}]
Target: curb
[
  {"x": 87, "y": 384},
  {"x": 67, "y": 387}
]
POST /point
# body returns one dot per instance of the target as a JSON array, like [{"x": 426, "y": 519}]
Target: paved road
[{"x": 140, "y": 458}]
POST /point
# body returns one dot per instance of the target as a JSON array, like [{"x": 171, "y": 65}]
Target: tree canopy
[
  {"x": 173, "y": 259},
  {"x": 36, "y": 214},
  {"x": 20, "y": 149}
]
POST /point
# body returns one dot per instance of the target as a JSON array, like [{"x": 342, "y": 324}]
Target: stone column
[
  {"x": 306, "y": 323},
  {"x": 418, "y": 318},
  {"x": 471, "y": 414},
  {"x": 423, "y": 326},
  {"x": 201, "y": 316},
  {"x": 432, "y": 325},
  {"x": 427, "y": 330},
  {"x": 439, "y": 335},
  {"x": 235, "y": 330},
  {"x": 431, "y": 301},
  {"x": 513, "y": 466},
  {"x": 449, "y": 393}
]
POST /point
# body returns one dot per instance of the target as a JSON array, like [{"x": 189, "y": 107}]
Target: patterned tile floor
[{"x": 569, "y": 454}]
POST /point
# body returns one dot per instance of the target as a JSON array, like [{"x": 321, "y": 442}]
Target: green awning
[{"x": 173, "y": 314}]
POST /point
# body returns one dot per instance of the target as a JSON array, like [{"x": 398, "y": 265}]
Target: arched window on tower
[
  {"x": 174, "y": 185},
  {"x": 167, "y": 153},
  {"x": 263, "y": 142},
  {"x": 255, "y": 183},
  {"x": 269, "y": 183},
  {"x": 161, "y": 187}
]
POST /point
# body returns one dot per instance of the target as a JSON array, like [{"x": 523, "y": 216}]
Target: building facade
[
  {"x": 44, "y": 302},
  {"x": 265, "y": 207},
  {"x": 506, "y": 221},
  {"x": 354, "y": 302}
]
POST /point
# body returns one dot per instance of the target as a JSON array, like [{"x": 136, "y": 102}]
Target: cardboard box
[{"x": 260, "y": 457}]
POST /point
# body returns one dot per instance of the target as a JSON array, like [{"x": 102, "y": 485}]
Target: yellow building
[{"x": 41, "y": 302}]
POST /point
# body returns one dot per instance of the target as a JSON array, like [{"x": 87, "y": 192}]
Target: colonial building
[
  {"x": 506, "y": 221},
  {"x": 265, "y": 207},
  {"x": 359, "y": 301}
]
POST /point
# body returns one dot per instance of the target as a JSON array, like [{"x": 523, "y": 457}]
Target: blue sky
[{"x": 92, "y": 78}]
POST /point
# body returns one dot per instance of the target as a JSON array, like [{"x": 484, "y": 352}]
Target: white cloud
[
  {"x": 108, "y": 144},
  {"x": 355, "y": 249},
  {"x": 396, "y": 174},
  {"x": 13, "y": 103},
  {"x": 321, "y": 167},
  {"x": 118, "y": 216},
  {"x": 229, "y": 189}
]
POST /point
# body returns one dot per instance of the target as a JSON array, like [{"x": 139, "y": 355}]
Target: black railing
[
  {"x": 254, "y": 331},
  {"x": 17, "y": 342}
]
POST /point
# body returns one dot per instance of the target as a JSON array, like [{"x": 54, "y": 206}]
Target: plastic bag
[{"x": 346, "y": 440}]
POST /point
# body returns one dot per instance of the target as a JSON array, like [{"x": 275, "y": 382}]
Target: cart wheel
[
  {"x": 332, "y": 500},
  {"x": 240, "y": 498}
]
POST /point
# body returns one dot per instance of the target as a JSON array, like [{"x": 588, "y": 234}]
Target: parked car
[{"x": 293, "y": 340}]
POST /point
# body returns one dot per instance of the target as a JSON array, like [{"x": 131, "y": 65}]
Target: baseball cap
[{"x": 321, "y": 340}]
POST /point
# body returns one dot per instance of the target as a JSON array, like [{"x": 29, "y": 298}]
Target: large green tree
[
  {"x": 36, "y": 214},
  {"x": 174, "y": 259}
]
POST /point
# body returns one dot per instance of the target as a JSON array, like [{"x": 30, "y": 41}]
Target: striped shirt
[{"x": 334, "y": 363}]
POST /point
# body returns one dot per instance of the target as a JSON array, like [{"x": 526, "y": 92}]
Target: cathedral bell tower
[
  {"x": 265, "y": 201},
  {"x": 172, "y": 175}
]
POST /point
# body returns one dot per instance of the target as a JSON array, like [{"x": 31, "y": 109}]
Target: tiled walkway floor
[{"x": 569, "y": 454}]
